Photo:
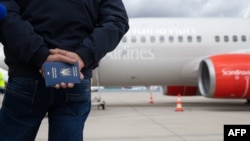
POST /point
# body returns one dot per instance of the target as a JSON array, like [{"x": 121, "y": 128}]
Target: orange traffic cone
[
  {"x": 179, "y": 104},
  {"x": 151, "y": 99}
]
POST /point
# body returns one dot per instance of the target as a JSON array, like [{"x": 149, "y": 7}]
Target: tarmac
[{"x": 135, "y": 116}]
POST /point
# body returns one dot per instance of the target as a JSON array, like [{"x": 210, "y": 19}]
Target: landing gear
[
  {"x": 100, "y": 104},
  {"x": 98, "y": 100},
  {"x": 248, "y": 101}
]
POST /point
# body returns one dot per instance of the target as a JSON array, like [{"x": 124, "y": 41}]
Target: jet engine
[{"x": 225, "y": 76}]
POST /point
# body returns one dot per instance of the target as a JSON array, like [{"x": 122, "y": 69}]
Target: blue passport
[{"x": 57, "y": 72}]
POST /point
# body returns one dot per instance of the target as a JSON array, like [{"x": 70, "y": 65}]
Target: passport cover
[{"x": 57, "y": 72}]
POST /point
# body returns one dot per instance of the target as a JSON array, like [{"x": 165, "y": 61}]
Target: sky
[{"x": 188, "y": 8}]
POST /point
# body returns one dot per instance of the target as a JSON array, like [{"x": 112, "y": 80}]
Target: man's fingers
[
  {"x": 57, "y": 86},
  {"x": 61, "y": 58},
  {"x": 68, "y": 54},
  {"x": 70, "y": 85},
  {"x": 65, "y": 59},
  {"x": 81, "y": 76},
  {"x": 64, "y": 85},
  {"x": 58, "y": 51},
  {"x": 41, "y": 71}
]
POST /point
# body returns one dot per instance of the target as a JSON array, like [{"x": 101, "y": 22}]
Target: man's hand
[
  {"x": 65, "y": 56},
  {"x": 60, "y": 58},
  {"x": 69, "y": 54}
]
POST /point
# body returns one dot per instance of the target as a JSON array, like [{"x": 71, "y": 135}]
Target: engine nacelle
[
  {"x": 225, "y": 76},
  {"x": 183, "y": 90}
]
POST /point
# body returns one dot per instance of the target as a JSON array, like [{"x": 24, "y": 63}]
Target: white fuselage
[{"x": 167, "y": 51}]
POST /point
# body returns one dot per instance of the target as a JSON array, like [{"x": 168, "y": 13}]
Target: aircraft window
[
  {"x": 235, "y": 38},
  {"x": 133, "y": 39},
  {"x": 226, "y": 38},
  {"x": 217, "y": 38},
  {"x": 143, "y": 39},
  {"x": 190, "y": 39},
  {"x": 198, "y": 38},
  {"x": 162, "y": 39},
  {"x": 124, "y": 39},
  {"x": 243, "y": 38},
  {"x": 171, "y": 39},
  {"x": 180, "y": 39},
  {"x": 152, "y": 39}
]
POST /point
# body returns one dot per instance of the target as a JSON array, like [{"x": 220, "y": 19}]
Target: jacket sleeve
[
  {"x": 112, "y": 25},
  {"x": 19, "y": 36}
]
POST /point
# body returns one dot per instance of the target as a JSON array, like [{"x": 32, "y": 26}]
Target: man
[{"x": 36, "y": 31}]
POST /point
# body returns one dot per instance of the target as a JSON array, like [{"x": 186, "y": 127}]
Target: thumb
[{"x": 81, "y": 76}]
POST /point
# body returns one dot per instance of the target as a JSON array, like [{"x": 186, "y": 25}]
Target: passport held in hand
[{"x": 57, "y": 72}]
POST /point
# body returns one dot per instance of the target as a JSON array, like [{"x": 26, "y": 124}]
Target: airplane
[{"x": 187, "y": 56}]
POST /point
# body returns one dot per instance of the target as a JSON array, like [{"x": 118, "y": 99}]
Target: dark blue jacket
[{"x": 91, "y": 28}]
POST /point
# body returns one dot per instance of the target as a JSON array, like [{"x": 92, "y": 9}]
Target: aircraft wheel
[
  {"x": 102, "y": 105},
  {"x": 248, "y": 101}
]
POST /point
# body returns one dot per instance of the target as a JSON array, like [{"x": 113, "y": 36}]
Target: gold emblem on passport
[{"x": 65, "y": 72}]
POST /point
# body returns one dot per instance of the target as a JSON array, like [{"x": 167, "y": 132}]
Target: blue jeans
[{"x": 27, "y": 101}]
